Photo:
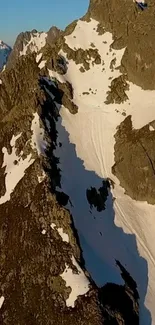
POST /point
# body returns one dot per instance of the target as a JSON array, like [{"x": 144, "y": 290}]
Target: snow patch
[
  {"x": 42, "y": 64},
  {"x": 1, "y": 301},
  {"x": 14, "y": 172},
  {"x": 151, "y": 128},
  {"x": 77, "y": 282},
  {"x": 53, "y": 225},
  {"x": 63, "y": 235},
  {"x": 37, "y": 140},
  {"x": 56, "y": 75},
  {"x": 38, "y": 57}
]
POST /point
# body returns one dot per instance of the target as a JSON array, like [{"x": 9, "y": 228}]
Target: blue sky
[{"x": 22, "y": 15}]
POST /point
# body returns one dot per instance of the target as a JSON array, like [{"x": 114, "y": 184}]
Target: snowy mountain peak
[{"x": 5, "y": 51}]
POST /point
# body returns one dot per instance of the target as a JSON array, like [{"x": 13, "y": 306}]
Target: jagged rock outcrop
[{"x": 53, "y": 35}]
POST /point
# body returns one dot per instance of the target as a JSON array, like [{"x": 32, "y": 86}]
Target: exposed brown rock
[
  {"x": 83, "y": 57},
  {"x": 134, "y": 159},
  {"x": 53, "y": 35},
  {"x": 117, "y": 93},
  {"x": 133, "y": 29}
]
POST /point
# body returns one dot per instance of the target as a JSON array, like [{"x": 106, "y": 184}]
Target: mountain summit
[{"x": 77, "y": 195}]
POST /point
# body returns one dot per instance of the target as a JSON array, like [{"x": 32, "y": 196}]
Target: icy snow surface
[
  {"x": 78, "y": 283},
  {"x": 125, "y": 230},
  {"x": 37, "y": 41}
]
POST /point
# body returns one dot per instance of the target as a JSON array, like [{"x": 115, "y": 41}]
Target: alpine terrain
[{"x": 77, "y": 176}]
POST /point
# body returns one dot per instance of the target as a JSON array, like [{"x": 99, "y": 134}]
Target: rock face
[
  {"x": 52, "y": 35},
  {"x": 5, "y": 51},
  {"x": 130, "y": 29},
  {"x": 132, "y": 143},
  {"x": 43, "y": 277}
]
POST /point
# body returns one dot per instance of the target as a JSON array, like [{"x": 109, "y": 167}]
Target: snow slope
[
  {"x": 125, "y": 229},
  {"x": 4, "y": 53}
]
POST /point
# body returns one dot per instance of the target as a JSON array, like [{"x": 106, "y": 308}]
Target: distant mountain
[{"x": 5, "y": 51}]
